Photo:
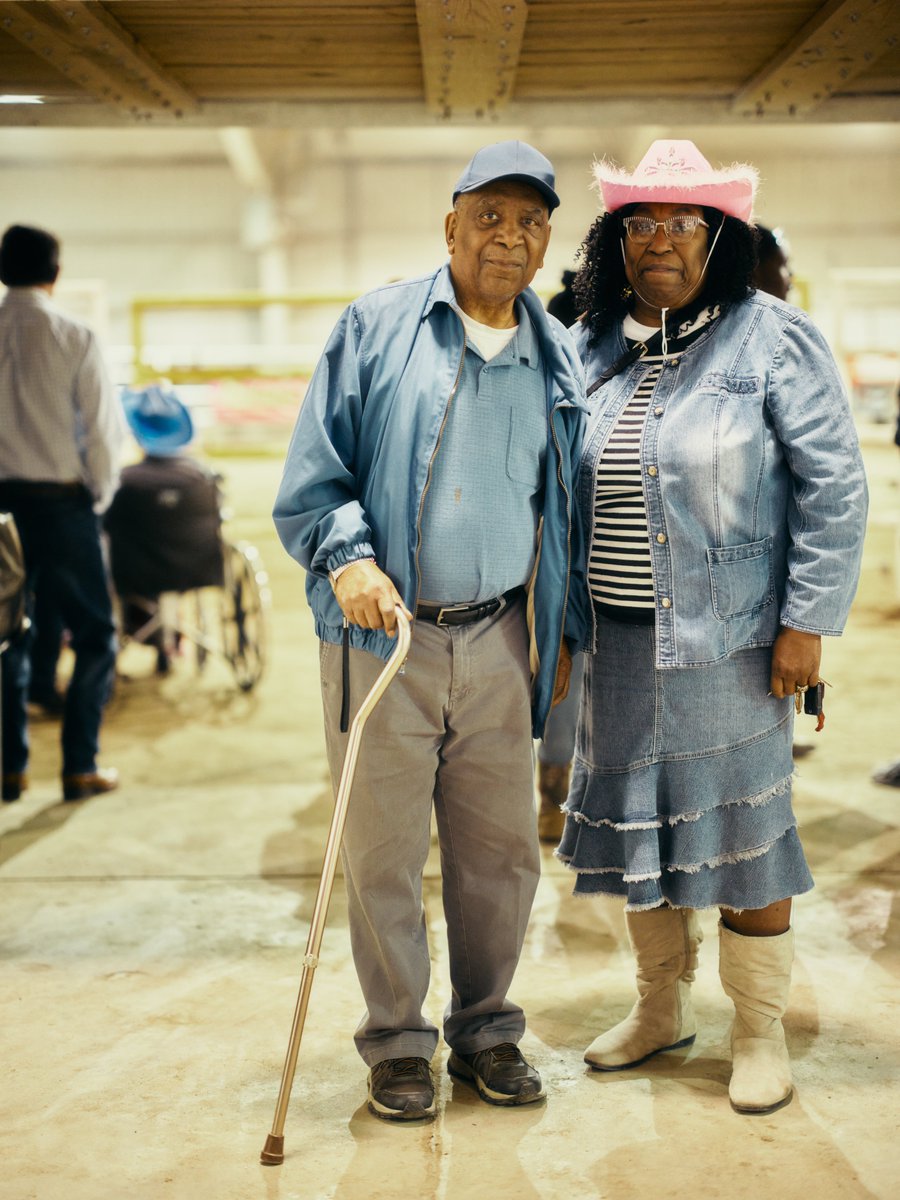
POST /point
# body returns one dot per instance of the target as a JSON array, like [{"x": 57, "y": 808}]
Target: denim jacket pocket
[{"x": 742, "y": 578}]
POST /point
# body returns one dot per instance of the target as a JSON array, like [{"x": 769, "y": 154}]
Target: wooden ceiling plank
[
  {"x": 841, "y": 41},
  {"x": 470, "y": 53},
  {"x": 102, "y": 32},
  {"x": 45, "y": 31}
]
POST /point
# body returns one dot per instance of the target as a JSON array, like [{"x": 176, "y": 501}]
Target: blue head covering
[{"x": 159, "y": 421}]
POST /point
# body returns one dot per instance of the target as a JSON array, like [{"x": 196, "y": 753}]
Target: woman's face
[{"x": 662, "y": 274}]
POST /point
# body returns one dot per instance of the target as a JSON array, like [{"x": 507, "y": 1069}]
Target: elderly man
[{"x": 431, "y": 471}]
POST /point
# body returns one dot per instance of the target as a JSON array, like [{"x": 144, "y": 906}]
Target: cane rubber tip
[{"x": 273, "y": 1151}]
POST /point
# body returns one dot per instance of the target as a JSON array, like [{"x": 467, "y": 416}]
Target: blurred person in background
[
  {"x": 60, "y": 439},
  {"x": 772, "y": 273},
  {"x": 165, "y": 519},
  {"x": 724, "y": 499},
  {"x": 563, "y": 305},
  {"x": 555, "y": 750}
]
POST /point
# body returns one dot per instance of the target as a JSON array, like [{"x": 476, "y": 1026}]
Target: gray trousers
[{"x": 452, "y": 732}]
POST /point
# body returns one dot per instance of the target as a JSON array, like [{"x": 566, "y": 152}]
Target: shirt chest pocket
[{"x": 526, "y": 446}]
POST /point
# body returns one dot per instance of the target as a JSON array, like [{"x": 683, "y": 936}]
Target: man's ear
[
  {"x": 546, "y": 244},
  {"x": 450, "y": 230}
]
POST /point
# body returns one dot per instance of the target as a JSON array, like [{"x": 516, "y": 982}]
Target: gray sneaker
[
  {"x": 500, "y": 1075},
  {"x": 401, "y": 1089}
]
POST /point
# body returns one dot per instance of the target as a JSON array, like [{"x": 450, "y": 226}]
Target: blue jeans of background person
[
  {"x": 46, "y": 643},
  {"x": 60, "y": 536}
]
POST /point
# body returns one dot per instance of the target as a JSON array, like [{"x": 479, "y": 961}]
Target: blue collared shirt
[
  {"x": 357, "y": 468},
  {"x": 482, "y": 507}
]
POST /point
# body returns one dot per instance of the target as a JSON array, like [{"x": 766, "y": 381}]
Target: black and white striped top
[{"x": 619, "y": 568}]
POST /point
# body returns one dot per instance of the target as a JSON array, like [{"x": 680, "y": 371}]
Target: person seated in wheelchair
[{"x": 164, "y": 523}]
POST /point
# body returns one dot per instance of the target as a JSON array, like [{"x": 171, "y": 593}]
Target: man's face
[{"x": 496, "y": 237}]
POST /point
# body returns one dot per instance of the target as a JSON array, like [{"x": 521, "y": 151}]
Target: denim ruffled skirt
[{"x": 681, "y": 788}]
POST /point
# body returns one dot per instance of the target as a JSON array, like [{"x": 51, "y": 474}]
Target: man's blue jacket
[{"x": 360, "y": 459}]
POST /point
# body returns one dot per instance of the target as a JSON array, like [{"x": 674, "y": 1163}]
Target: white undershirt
[
  {"x": 637, "y": 332},
  {"x": 487, "y": 340}
]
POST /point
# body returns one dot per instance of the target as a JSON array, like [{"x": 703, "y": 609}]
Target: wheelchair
[{"x": 179, "y": 582}]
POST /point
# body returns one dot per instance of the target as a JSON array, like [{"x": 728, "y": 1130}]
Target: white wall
[{"x": 163, "y": 211}]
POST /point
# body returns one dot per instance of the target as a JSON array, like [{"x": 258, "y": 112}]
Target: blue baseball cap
[
  {"x": 159, "y": 421},
  {"x": 510, "y": 160}
]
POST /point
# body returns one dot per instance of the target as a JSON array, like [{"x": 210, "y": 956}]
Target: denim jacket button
[
  {"x": 666, "y": 602},
  {"x": 651, "y": 470},
  {"x": 661, "y": 537},
  {"x": 658, "y": 412}
]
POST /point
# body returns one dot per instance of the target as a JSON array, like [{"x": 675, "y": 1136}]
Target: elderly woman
[{"x": 724, "y": 498}]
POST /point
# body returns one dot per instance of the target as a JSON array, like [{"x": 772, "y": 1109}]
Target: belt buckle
[{"x": 450, "y": 608}]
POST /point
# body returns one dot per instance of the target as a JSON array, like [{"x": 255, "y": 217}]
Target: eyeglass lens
[{"x": 678, "y": 228}]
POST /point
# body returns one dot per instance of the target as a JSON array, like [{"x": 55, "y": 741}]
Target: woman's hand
[
  {"x": 563, "y": 675},
  {"x": 795, "y": 661},
  {"x": 368, "y": 598}
]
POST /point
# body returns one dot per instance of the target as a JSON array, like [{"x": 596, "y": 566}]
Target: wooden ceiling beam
[
  {"x": 84, "y": 43},
  {"x": 470, "y": 54},
  {"x": 843, "y": 39}
]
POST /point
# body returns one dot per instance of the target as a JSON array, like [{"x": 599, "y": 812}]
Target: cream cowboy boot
[
  {"x": 665, "y": 943},
  {"x": 756, "y": 974}
]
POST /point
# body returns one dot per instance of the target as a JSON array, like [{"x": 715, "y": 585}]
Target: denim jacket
[
  {"x": 360, "y": 459},
  {"x": 754, "y": 484}
]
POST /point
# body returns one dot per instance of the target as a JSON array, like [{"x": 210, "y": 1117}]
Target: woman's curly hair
[{"x": 600, "y": 284}]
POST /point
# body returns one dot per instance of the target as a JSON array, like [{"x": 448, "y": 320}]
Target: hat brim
[
  {"x": 529, "y": 180},
  {"x": 730, "y": 191},
  {"x": 160, "y": 434}
]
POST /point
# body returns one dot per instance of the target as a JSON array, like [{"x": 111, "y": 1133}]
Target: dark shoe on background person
[
  {"x": 81, "y": 787},
  {"x": 52, "y": 702},
  {"x": 500, "y": 1075},
  {"x": 14, "y": 784},
  {"x": 401, "y": 1089},
  {"x": 553, "y": 785},
  {"x": 888, "y": 773},
  {"x": 802, "y": 749}
]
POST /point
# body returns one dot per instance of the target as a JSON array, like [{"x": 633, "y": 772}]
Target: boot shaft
[
  {"x": 666, "y": 945},
  {"x": 756, "y": 975}
]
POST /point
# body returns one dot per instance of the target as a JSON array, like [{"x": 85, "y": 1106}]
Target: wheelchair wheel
[{"x": 244, "y": 600}]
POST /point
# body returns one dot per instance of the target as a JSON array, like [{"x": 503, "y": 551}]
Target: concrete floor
[{"x": 151, "y": 942}]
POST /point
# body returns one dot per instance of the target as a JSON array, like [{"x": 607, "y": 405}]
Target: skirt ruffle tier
[{"x": 681, "y": 789}]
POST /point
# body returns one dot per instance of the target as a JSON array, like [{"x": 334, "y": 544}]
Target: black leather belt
[
  {"x": 625, "y": 616},
  {"x": 465, "y": 614},
  {"x": 27, "y": 489}
]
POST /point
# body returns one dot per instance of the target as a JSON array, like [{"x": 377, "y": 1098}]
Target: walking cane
[{"x": 273, "y": 1151}]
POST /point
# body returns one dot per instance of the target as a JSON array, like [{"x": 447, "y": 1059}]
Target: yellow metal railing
[{"x": 145, "y": 371}]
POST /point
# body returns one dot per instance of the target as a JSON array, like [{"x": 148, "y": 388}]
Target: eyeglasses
[{"x": 679, "y": 229}]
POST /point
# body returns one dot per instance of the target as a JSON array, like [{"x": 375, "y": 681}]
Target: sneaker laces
[
  {"x": 406, "y": 1066},
  {"x": 505, "y": 1052}
]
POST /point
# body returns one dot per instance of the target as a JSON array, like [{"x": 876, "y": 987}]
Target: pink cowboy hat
[{"x": 675, "y": 172}]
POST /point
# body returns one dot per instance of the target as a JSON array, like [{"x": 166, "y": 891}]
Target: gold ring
[{"x": 801, "y": 687}]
